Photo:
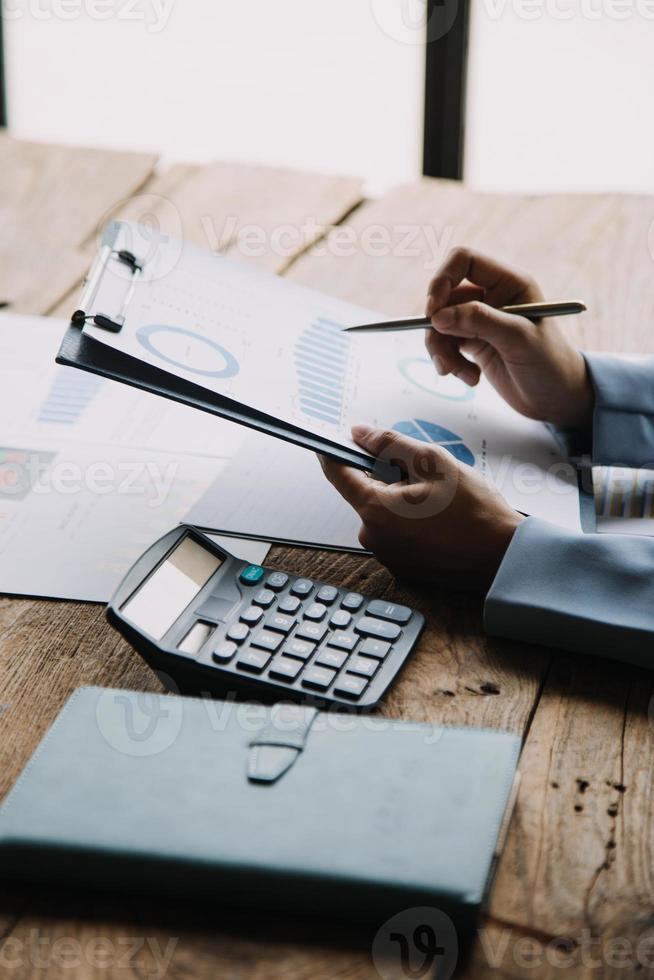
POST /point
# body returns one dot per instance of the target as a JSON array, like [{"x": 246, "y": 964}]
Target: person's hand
[
  {"x": 442, "y": 524},
  {"x": 533, "y": 366}
]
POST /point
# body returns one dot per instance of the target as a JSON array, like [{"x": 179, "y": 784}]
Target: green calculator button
[{"x": 252, "y": 575}]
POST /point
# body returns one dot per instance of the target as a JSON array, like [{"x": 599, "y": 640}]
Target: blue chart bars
[
  {"x": 321, "y": 356},
  {"x": 71, "y": 392}
]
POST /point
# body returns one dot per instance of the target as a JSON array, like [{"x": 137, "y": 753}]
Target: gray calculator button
[
  {"x": 251, "y": 615},
  {"x": 264, "y": 598},
  {"x": 352, "y": 601},
  {"x": 331, "y": 658},
  {"x": 375, "y": 648},
  {"x": 389, "y": 610},
  {"x": 343, "y": 641},
  {"x": 280, "y": 623},
  {"x": 224, "y": 652},
  {"x": 311, "y": 631},
  {"x": 327, "y": 594},
  {"x": 341, "y": 619},
  {"x": 238, "y": 632},
  {"x": 289, "y": 604},
  {"x": 253, "y": 660},
  {"x": 302, "y": 586},
  {"x": 298, "y": 648},
  {"x": 285, "y": 669},
  {"x": 351, "y": 686},
  {"x": 276, "y": 581},
  {"x": 318, "y": 677},
  {"x": 315, "y": 611},
  {"x": 363, "y": 665},
  {"x": 377, "y": 628},
  {"x": 267, "y": 640}
]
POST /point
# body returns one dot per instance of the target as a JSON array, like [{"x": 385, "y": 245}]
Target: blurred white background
[{"x": 558, "y": 93}]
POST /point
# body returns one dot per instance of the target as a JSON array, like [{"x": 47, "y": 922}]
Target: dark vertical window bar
[
  {"x": 445, "y": 87},
  {"x": 3, "y": 95}
]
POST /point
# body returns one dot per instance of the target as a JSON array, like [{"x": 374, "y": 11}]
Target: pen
[{"x": 533, "y": 311}]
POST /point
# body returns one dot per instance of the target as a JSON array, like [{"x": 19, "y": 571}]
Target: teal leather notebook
[{"x": 281, "y": 808}]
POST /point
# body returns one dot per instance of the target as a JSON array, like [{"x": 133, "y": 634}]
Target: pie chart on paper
[
  {"x": 431, "y": 432},
  {"x": 419, "y": 372},
  {"x": 188, "y": 350}
]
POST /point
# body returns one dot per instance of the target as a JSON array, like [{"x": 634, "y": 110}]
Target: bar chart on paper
[
  {"x": 70, "y": 394},
  {"x": 321, "y": 354}
]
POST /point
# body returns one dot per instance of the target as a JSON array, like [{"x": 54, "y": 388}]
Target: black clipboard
[{"x": 81, "y": 351}]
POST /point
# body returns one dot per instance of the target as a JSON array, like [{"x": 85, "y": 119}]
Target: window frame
[{"x": 446, "y": 60}]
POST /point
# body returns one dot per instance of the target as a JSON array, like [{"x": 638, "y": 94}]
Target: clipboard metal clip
[{"x": 112, "y": 323}]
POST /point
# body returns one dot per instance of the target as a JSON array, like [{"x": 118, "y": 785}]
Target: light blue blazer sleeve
[
  {"x": 623, "y": 420},
  {"x": 588, "y": 592}
]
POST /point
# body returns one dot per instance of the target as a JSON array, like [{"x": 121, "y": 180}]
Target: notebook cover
[{"x": 150, "y": 794}]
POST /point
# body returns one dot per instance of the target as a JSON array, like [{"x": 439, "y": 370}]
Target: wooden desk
[{"x": 577, "y": 866}]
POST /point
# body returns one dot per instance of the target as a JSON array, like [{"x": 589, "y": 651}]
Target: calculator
[{"x": 215, "y": 624}]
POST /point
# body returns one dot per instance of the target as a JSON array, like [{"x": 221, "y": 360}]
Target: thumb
[{"x": 419, "y": 460}]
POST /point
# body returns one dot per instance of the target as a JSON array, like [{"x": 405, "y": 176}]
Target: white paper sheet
[
  {"x": 91, "y": 472},
  {"x": 276, "y": 491},
  {"x": 279, "y": 348}
]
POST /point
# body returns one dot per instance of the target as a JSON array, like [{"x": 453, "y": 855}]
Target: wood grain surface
[
  {"x": 575, "y": 878},
  {"x": 52, "y": 199}
]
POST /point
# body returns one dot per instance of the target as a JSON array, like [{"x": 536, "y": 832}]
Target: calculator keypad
[
  {"x": 302, "y": 587},
  {"x": 254, "y": 660},
  {"x": 312, "y": 637},
  {"x": 344, "y": 641},
  {"x": 313, "y": 632},
  {"x": 277, "y": 581},
  {"x": 224, "y": 652},
  {"x": 285, "y": 669},
  {"x": 289, "y": 604},
  {"x": 315, "y": 611},
  {"x": 329, "y": 657},
  {"x": 327, "y": 594},
  {"x": 363, "y": 666},
  {"x": 280, "y": 623},
  {"x": 318, "y": 677},
  {"x": 266, "y": 640},
  {"x": 238, "y": 632},
  {"x": 251, "y": 615},
  {"x": 341, "y": 619},
  {"x": 264, "y": 598},
  {"x": 300, "y": 649},
  {"x": 374, "y": 648},
  {"x": 377, "y": 628},
  {"x": 350, "y": 686}
]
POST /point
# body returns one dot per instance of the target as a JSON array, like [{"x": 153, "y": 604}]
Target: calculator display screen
[{"x": 164, "y": 596}]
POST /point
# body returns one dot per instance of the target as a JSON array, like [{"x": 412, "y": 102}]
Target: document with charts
[
  {"x": 273, "y": 355},
  {"x": 91, "y": 473}
]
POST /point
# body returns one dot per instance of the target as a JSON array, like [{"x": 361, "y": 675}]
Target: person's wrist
[
  {"x": 576, "y": 412},
  {"x": 499, "y": 540}
]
